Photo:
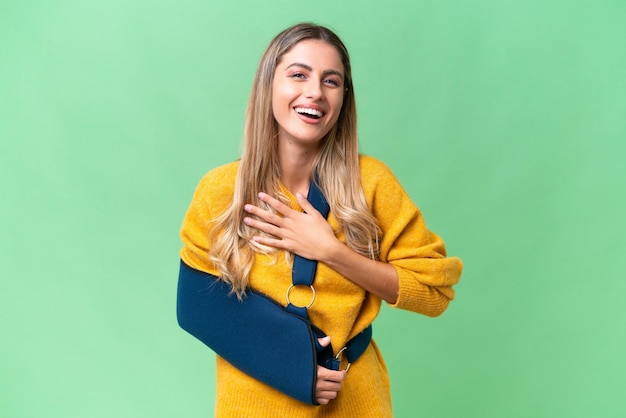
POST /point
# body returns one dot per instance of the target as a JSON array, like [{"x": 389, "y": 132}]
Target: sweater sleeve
[
  {"x": 212, "y": 196},
  {"x": 426, "y": 275}
]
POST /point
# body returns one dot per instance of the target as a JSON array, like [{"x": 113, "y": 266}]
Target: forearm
[{"x": 378, "y": 278}]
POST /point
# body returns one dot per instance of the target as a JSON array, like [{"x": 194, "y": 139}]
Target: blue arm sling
[{"x": 275, "y": 345}]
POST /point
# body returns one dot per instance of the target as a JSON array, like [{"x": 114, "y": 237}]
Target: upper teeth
[{"x": 313, "y": 112}]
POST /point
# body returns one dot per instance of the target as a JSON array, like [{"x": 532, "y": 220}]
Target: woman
[{"x": 249, "y": 219}]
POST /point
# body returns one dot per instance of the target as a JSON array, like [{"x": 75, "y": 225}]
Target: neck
[{"x": 296, "y": 167}]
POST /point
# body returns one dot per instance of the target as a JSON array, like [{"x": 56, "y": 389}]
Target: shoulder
[
  {"x": 375, "y": 173},
  {"x": 215, "y": 189},
  {"x": 219, "y": 180},
  {"x": 222, "y": 175},
  {"x": 384, "y": 194}
]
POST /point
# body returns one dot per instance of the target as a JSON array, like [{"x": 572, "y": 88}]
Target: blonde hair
[{"x": 337, "y": 165}]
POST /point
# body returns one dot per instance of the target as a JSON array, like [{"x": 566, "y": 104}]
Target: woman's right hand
[{"x": 328, "y": 381}]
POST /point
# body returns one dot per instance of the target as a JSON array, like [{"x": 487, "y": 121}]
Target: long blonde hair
[{"x": 232, "y": 249}]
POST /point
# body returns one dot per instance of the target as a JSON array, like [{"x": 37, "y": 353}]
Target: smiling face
[{"x": 307, "y": 92}]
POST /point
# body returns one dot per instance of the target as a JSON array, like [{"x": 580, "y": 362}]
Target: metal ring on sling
[
  {"x": 312, "y": 297},
  {"x": 338, "y": 357}
]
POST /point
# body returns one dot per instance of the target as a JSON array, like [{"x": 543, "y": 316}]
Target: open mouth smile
[{"x": 308, "y": 112}]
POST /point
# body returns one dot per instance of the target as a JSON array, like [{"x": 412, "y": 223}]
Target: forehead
[{"x": 317, "y": 54}]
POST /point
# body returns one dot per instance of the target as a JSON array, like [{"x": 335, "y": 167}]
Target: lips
[{"x": 309, "y": 112}]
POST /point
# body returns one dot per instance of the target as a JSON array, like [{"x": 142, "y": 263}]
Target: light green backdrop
[{"x": 503, "y": 119}]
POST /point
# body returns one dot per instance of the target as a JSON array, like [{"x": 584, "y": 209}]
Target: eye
[
  {"x": 298, "y": 76},
  {"x": 332, "y": 82}
]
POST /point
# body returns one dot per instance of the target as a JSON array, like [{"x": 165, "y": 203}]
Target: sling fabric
[{"x": 257, "y": 336}]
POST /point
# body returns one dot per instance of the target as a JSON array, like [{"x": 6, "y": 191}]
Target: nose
[{"x": 314, "y": 89}]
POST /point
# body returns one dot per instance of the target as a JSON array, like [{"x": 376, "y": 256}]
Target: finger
[
  {"x": 325, "y": 385},
  {"x": 326, "y": 396},
  {"x": 324, "y": 374},
  {"x": 324, "y": 341},
  {"x": 276, "y": 204},
  {"x": 272, "y": 242},
  {"x": 266, "y": 227},
  {"x": 266, "y": 215},
  {"x": 305, "y": 204},
  {"x": 322, "y": 401}
]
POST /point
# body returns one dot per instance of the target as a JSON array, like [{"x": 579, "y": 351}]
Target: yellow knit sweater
[{"x": 341, "y": 308}]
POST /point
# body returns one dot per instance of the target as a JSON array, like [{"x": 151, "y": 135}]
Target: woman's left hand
[{"x": 306, "y": 234}]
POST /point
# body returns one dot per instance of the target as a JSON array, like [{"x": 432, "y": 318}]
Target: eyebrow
[{"x": 308, "y": 68}]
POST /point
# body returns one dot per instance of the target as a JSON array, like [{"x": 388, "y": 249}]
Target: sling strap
[{"x": 303, "y": 270}]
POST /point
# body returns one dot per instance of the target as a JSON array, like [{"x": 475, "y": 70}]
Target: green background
[{"x": 504, "y": 120}]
